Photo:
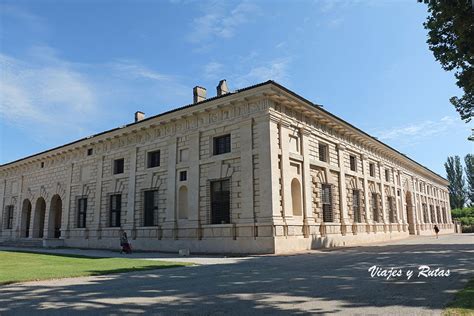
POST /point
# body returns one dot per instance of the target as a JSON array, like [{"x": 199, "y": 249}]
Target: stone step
[{"x": 22, "y": 243}]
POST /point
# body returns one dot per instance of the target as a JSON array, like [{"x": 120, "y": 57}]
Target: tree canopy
[
  {"x": 450, "y": 26},
  {"x": 457, "y": 193}
]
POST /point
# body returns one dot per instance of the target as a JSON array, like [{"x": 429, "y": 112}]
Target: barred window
[
  {"x": 220, "y": 202},
  {"x": 81, "y": 212},
  {"x": 356, "y": 206},
  {"x": 153, "y": 159},
  {"x": 353, "y": 163},
  {"x": 425, "y": 213},
  {"x": 445, "y": 217},
  {"x": 387, "y": 175},
  {"x": 438, "y": 213},
  {"x": 323, "y": 152},
  {"x": 391, "y": 209},
  {"x": 183, "y": 175},
  {"x": 118, "y": 165},
  {"x": 375, "y": 206},
  {"x": 9, "y": 211},
  {"x": 222, "y": 144},
  {"x": 150, "y": 207},
  {"x": 326, "y": 201},
  {"x": 115, "y": 210},
  {"x": 432, "y": 213},
  {"x": 372, "y": 169}
]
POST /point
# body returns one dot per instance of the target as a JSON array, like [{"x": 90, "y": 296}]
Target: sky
[{"x": 70, "y": 69}]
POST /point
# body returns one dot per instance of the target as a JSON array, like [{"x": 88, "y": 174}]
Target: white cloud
[
  {"x": 220, "y": 22},
  {"x": 38, "y": 95},
  {"x": 137, "y": 70},
  {"x": 276, "y": 69},
  {"x": 416, "y": 132},
  {"x": 213, "y": 70}
]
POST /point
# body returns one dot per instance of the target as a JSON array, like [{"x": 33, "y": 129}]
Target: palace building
[{"x": 257, "y": 170}]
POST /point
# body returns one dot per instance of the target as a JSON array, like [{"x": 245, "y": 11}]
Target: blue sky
[{"x": 74, "y": 68}]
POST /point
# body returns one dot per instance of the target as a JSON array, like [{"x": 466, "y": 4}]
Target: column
[
  {"x": 402, "y": 199},
  {"x": 285, "y": 175},
  {"x": 366, "y": 190},
  {"x": 307, "y": 183},
  {"x": 2, "y": 204},
  {"x": 65, "y": 222},
  {"x": 130, "y": 224},
  {"x": 19, "y": 205},
  {"x": 171, "y": 217},
  {"x": 98, "y": 197},
  {"x": 269, "y": 170},
  {"x": 415, "y": 205},
  {"x": 193, "y": 178},
  {"x": 342, "y": 189},
  {"x": 382, "y": 189},
  {"x": 246, "y": 162}
]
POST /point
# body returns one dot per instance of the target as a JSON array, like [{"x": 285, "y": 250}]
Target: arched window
[
  {"x": 183, "y": 202},
  {"x": 296, "y": 197}
]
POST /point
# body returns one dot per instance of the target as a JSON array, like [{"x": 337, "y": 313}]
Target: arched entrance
[
  {"x": 38, "y": 220},
  {"x": 55, "y": 215},
  {"x": 410, "y": 214},
  {"x": 25, "y": 219}
]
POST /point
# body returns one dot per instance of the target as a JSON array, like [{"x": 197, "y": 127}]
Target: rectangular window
[
  {"x": 153, "y": 159},
  {"x": 326, "y": 201},
  {"x": 375, "y": 207},
  {"x": 356, "y": 206},
  {"x": 151, "y": 207},
  {"x": 220, "y": 202},
  {"x": 222, "y": 144},
  {"x": 432, "y": 214},
  {"x": 387, "y": 175},
  {"x": 353, "y": 163},
  {"x": 183, "y": 176},
  {"x": 391, "y": 209},
  {"x": 9, "y": 216},
  {"x": 372, "y": 169},
  {"x": 89, "y": 152},
  {"x": 425, "y": 213},
  {"x": 118, "y": 165},
  {"x": 81, "y": 212},
  {"x": 115, "y": 210},
  {"x": 323, "y": 153},
  {"x": 438, "y": 214}
]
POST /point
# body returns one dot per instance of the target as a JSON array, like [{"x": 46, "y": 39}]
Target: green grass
[
  {"x": 463, "y": 303},
  {"x": 24, "y": 266}
]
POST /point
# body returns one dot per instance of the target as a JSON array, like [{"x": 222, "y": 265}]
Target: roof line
[{"x": 224, "y": 96}]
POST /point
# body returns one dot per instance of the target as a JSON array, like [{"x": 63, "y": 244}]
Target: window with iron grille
[
  {"x": 115, "y": 210},
  {"x": 387, "y": 175},
  {"x": 432, "y": 213},
  {"x": 183, "y": 175},
  {"x": 356, "y": 206},
  {"x": 438, "y": 213},
  {"x": 425, "y": 213},
  {"x": 445, "y": 217},
  {"x": 326, "y": 201},
  {"x": 220, "y": 202},
  {"x": 118, "y": 165},
  {"x": 9, "y": 216},
  {"x": 353, "y": 163},
  {"x": 323, "y": 152},
  {"x": 391, "y": 209},
  {"x": 153, "y": 159},
  {"x": 81, "y": 212},
  {"x": 375, "y": 206},
  {"x": 221, "y": 144},
  {"x": 150, "y": 207},
  {"x": 372, "y": 169}
]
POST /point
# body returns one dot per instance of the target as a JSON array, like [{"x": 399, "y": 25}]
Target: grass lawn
[
  {"x": 463, "y": 303},
  {"x": 24, "y": 266}
]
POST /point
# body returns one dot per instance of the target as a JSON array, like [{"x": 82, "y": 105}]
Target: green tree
[
  {"x": 450, "y": 26},
  {"x": 469, "y": 169},
  {"x": 457, "y": 194}
]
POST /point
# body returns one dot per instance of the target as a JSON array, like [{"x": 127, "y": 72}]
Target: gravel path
[{"x": 319, "y": 282}]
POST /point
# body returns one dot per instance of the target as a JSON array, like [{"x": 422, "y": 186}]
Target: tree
[
  {"x": 469, "y": 169},
  {"x": 457, "y": 194},
  {"x": 450, "y": 26}
]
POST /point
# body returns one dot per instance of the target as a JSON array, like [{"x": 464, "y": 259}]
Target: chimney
[
  {"x": 139, "y": 116},
  {"x": 199, "y": 94},
  {"x": 222, "y": 88}
]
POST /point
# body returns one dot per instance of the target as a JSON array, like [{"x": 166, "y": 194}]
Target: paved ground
[{"x": 320, "y": 282}]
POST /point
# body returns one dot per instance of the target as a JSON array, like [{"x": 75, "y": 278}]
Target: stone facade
[{"x": 295, "y": 176}]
